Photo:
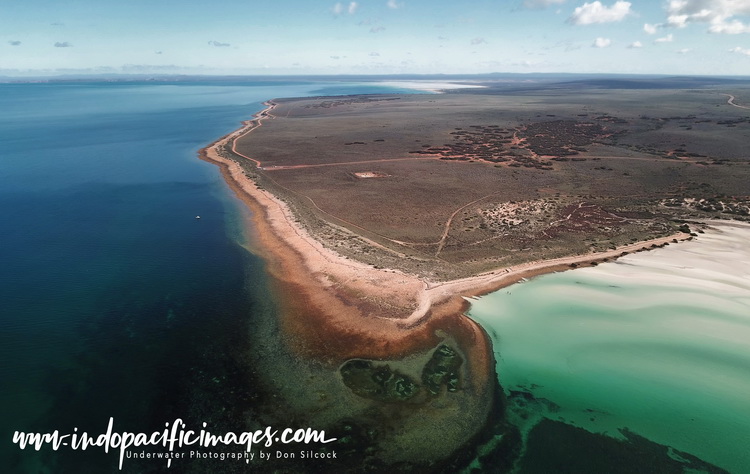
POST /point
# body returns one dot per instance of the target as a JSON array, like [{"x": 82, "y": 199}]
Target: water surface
[
  {"x": 655, "y": 344},
  {"x": 115, "y": 301}
]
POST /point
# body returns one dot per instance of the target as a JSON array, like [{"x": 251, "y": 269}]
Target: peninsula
[{"x": 380, "y": 215}]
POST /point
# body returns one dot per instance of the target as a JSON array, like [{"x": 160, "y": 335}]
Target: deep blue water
[{"x": 114, "y": 299}]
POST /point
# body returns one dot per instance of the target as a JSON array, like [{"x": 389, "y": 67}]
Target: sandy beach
[{"x": 354, "y": 295}]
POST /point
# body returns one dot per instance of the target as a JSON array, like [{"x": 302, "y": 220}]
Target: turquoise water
[
  {"x": 114, "y": 300},
  {"x": 657, "y": 344}
]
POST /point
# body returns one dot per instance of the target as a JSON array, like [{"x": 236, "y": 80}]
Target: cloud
[
  {"x": 443, "y": 38},
  {"x": 718, "y": 14},
  {"x": 219, "y": 44},
  {"x": 683, "y": 51},
  {"x": 733, "y": 27},
  {"x": 678, "y": 21},
  {"x": 635, "y": 45},
  {"x": 335, "y": 57},
  {"x": 157, "y": 52},
  {"x": 377, "y": 29},
  {"x": 63, "y": 44},
  {"x": 539, "y": 4},
  {"x": 595, "y": 12},
  {"x": 374, "y": 54},
  {"x": 14, "y": 43},
  {"x": 666, "y": 39},
  {"x": 601, "y": 42},
  {"x": 739, "y": 50},
  {"x": 339, "y": 8},
  {"x": 478, "y": 40},
  {"x": 393, "y": 4},
  {"x": 650, "y": 29}
]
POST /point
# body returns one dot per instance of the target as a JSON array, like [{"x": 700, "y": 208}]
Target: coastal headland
[{"x": 379, "y": 216}]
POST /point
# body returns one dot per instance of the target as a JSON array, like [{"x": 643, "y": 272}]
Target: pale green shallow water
[{"x": 658, "y": 343}]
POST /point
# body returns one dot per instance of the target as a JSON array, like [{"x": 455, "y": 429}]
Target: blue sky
[{"x": 374, "y": 36}]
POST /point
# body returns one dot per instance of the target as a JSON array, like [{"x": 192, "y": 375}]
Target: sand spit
[
  {"x": 331, "y": 310},
  {"x": 334, "y": 309}
]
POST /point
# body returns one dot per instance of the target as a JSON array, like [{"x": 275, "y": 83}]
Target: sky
[{"x": 280, "y": 37}]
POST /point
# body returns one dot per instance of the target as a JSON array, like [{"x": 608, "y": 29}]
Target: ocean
[{"x": 115, "y": 301}]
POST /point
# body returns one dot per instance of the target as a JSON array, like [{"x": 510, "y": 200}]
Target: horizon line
[{"x": 454, "y": 76}]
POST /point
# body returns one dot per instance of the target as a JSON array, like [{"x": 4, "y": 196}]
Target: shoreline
[
  {"x": 333, "y": 309},
  {"x": 325, "y": 316},
  {"x": 297, "y": 260}
]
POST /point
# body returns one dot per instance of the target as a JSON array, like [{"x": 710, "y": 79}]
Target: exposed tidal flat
[{"x": 654, "y": 344}]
